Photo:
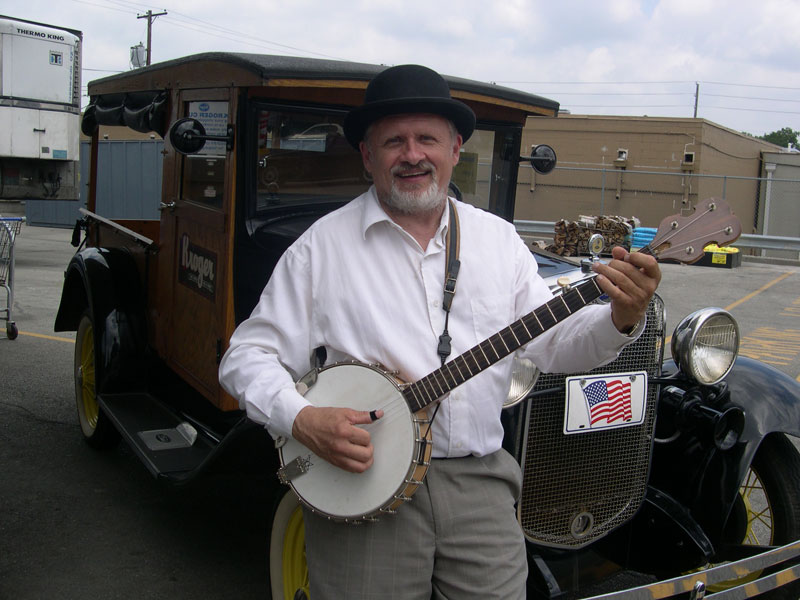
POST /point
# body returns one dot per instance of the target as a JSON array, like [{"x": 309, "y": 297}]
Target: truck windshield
[{"x": 303, "y": 157}]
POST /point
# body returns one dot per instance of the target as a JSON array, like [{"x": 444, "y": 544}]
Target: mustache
[{"x": 406, "y": 168}]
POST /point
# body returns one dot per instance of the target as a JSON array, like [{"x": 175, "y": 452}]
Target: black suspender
[{"x": 451, "y": 275}]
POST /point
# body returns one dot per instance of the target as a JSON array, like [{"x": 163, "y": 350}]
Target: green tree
[{"x": 782, "y": 137}]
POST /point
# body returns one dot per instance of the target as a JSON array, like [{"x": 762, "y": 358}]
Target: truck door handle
[{"x": 37, "y": 130}]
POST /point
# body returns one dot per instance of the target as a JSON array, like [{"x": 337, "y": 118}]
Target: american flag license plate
[{"x": 597, "y": 402}]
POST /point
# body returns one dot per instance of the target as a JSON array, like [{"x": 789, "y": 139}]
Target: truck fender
[
  {"x": 663, "y": 538},
  {"x": 771, "y": 403},
  {"x": 104, "y": 283},
  {"x": 769, "y": 397}
]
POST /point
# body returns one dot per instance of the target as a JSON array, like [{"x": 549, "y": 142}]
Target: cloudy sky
[{"x": 619, "y": 57}]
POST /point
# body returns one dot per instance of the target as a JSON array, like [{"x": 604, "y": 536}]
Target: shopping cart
[{"x": 9, "y": 229}]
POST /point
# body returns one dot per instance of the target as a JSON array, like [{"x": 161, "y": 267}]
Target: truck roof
[
  {"x": 341, "y": 80},
  {"x": 10, "y": 25}
]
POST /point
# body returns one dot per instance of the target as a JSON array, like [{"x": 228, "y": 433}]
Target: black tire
[
  {"x": 11, "y": 331},
  {"x": 288, "y": 571},
  {"x": 770, "y": 499},
  {"x": 97, "y": 429}
]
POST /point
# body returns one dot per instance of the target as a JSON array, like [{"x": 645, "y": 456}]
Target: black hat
[{"x": 407, "y": 89}]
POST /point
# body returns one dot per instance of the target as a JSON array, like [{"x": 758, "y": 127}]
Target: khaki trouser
[{"x": 457, "y": 539}]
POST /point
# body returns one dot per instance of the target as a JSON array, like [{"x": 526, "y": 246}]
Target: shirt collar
[{"x": 374, "y": 213}]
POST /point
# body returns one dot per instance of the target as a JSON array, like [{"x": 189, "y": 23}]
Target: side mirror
[
  {"x": 542, "y": 158},
  {"x": 188, "y": 136}
]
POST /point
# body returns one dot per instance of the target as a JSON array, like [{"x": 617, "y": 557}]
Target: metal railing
[
  {"x": 766, "y": 205},
  {"x": 545, "y": 229}
]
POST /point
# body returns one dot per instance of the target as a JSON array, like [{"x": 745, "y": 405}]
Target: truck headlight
[
  {"x": 523, "y": 379},
  {"x": 705, "y": 344}
]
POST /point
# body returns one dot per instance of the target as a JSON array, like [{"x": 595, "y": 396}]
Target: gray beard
[{"x": 417, "y": 202}]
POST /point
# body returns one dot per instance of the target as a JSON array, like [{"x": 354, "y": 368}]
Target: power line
[
  {"x": 627, "y": 106},
  {"x": 559, "y": 93},
  {"x": 239, "y": 35},
  {"x": 222, "y": 32},
  {"x": 752, "y": 98},
  {"x": 753, "y": 85},
  {"x": 779, "y": 112},
  {"x": 591, "y": 82},
  {"x": 705, "y": 108},
  {"x": 102, "y": 6}
]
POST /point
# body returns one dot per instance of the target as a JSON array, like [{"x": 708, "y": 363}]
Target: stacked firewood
[{"x": 571, "y": 238}]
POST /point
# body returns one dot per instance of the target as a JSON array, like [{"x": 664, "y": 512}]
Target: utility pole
[
  {"x": 150, "y": 16},
  {"x": 696, "y": 91}
]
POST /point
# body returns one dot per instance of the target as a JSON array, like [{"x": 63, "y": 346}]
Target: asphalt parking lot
[{"x": 76, "y": 523}]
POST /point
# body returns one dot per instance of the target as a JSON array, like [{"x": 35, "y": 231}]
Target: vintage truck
[{"x": 699, "y": 493}]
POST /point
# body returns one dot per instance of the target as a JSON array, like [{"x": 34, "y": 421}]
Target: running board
[{"x": 168, "y": 446}]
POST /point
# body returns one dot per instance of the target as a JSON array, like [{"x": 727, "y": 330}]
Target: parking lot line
[
  {"x": 47, "y": 337},
  {"x": 759, "y": 290},
  {"x": 749, "y": 296}
]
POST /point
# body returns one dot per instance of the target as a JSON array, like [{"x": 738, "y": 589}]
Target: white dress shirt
[{"x": 362, "y": 287}]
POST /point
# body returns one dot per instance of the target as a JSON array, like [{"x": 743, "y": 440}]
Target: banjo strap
[{"x": 450, "y": 276}]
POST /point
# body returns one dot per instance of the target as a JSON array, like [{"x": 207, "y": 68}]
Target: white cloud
[{"x": 513, "y": 40}]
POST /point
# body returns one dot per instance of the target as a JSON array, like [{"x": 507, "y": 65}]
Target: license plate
[{"x": 600, "y": 402}]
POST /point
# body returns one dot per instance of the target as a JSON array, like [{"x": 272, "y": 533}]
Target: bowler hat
[{"x": 407, "y": 89}]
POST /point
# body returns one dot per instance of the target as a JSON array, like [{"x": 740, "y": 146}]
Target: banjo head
[{"x": 346, "y": 496}]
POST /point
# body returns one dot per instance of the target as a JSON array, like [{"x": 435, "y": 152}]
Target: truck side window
[
  {"x": 204, "y": 172},
  {"x": 473, "y": 172}
]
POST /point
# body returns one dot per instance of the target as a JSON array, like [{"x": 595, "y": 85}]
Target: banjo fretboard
[{"x": 478, "y": 358}]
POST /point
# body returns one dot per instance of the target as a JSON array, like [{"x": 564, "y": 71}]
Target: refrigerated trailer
[{"x": 40, "y": 92}]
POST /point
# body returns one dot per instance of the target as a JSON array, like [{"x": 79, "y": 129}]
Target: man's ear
[
  {"x": 457, "y": 149},
  {"x": 366, "y": 158}
]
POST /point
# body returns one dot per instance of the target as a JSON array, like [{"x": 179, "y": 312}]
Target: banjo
[{"x": 402, "y": 436}]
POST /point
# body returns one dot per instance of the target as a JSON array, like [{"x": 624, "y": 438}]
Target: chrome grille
[{"x": 577, "y": 488}]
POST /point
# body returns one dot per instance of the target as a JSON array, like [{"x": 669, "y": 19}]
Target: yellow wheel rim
[
  {"x": 295, "y": 569},
  {"x": 91, "y": 409},
  {"x": 760, "y": 529}
]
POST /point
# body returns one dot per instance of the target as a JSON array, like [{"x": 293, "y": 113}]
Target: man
[{"x": 366, "y": 283}]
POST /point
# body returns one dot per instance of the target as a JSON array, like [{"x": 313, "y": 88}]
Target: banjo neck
[{"x": 482, "y": 356}]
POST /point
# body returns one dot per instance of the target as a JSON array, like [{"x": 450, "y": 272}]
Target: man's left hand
[{"x": 630, "y": 280}]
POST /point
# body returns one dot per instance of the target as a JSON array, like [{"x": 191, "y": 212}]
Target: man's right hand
[{"x": 331, "y": 433}]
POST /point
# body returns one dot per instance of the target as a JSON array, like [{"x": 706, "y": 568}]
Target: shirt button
[{"x": 435, "y": 304}]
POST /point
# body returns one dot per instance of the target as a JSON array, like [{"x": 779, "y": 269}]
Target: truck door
[{"x": 196, "y": 220}]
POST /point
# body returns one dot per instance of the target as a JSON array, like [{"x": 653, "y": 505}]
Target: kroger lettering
[{"x": 201, "y": 266}]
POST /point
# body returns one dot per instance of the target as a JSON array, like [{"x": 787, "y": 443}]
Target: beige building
[{"x": 647, "y": 167}]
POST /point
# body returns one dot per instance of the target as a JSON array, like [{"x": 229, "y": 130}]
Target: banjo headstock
[{"x": 683, "y": 237}]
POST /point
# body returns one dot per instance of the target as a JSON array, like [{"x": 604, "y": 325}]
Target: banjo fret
[
  {"x": 476, "y": 359},
  {"x": 466, "y": 364},
  {"x": 522, "y": 334}
]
